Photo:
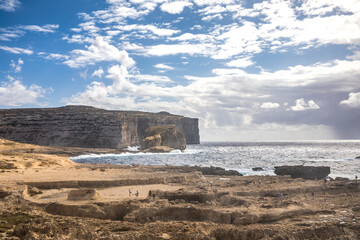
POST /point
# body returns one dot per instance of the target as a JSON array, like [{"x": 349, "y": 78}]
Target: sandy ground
[{"x": 35, "y": 182}]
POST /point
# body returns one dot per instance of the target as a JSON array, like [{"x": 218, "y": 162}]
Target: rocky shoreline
[{"x": 164, "y": 202}]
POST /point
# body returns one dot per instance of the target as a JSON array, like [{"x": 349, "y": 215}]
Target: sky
[{"x": 249, "y": 70}]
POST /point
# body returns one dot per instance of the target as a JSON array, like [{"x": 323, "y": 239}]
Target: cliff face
[{"x": 82, "y": 126}]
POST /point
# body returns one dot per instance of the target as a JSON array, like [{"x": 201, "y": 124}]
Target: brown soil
[{"x": 187, "y": 205}]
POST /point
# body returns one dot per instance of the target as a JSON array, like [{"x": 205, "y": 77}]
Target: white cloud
[
  {"x": 302, "y": 105},
  {"x": 16, "y": 50},
  {"x": 241, "y": 63},
  {"x": 269, "y": 105},
  {"x": 84, "y": 74},
  {"x": 175, "y": 7},
  {"x": 9, "y": 5},
  {"x": 173, "y": 49},
  {"x": 13, "y": 32},
  {"x": 144, "y": 28},
  {"x": 56, "y": 56},
  {"x": 150, "y": 78},
  {"x": 98, "y": 73},
  {"x": 163, "y": 66},
  {"x": 213, "y": 2},
  {"x": 14, "y": 93},
  {"x": 99, "y": 51},
  {"x": 49, "y": 28},
  {"x": 17, "y": 66},
  {"x": 353, "y": 100},
  {"x": 211, "y": 17}
]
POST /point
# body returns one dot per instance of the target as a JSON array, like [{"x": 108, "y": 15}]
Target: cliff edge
[{"x": 83, "y": 126}]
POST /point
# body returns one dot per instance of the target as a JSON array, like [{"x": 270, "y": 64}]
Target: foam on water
[{"x": 339, "y": 155}]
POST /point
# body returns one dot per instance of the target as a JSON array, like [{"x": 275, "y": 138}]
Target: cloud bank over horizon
[{"x": 263, "y": 70}]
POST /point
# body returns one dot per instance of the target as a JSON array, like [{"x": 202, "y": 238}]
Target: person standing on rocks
[{"x": 129, "y": 192}]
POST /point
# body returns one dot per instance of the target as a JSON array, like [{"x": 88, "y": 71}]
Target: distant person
[
  {"x": 153, "y": 196},
  {"x": 356, "y": 177},
  {"x": 129, "y": 192},
  {"x": 281, "y": 196},
  {"x": 325, "y": 200},
  {"x": 137, "y": 193},
  {"x": 149, "y": 195}
]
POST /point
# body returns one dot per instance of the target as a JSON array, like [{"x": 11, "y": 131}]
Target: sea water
[{"x": 243, "y": 156}]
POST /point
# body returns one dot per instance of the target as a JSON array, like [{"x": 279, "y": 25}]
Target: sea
[{"x": 340, "y": 156}]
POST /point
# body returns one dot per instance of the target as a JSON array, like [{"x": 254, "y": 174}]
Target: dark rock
[
  {"x": 33, "y": 191},
  {"x": 257, "y": 169},
  {"x": 341, "y": 179},
  {"x": 6, "y": 165},
  {"x": 164, "y": 135},
  {"x": 358, "y": 157},
  {"x": 88, "y": 127},
  {"x": 4, "y": 193},
  {"x": 216, "y": 171},
  {"x": 306, "y": 172}
]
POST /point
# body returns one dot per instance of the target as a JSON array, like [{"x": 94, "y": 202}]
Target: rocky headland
[
  {"x": 43, "y": 195},
  {"x": 88, "y": 127},
  {"x": 163, "y": 138}
]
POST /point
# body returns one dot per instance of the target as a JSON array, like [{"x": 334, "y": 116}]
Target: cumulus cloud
[
  {"x": 98, "y": 73},
  {"x": 99, "y": 51},
  {"x": 17, "y": 65},
  {"x": 269, "y": 105},
  {"x": 16, "y": 50},
  {"x": 241, "y": 63},
  {"x": 302, "y": 105},
  {"x": 353, "y": 100},
  {"x": 15, "y": 93},
  {"x": 9, "y": 5},
  {"x": 175, "y": 7}
]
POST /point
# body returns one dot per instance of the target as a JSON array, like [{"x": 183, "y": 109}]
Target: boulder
[
  {"x": 4, "y": 193},
  {"x": 306, "y": 172},
  {"x": 163, "y": 135},
  {"x": 358, "y": 157},
  {"x": 33, "y": 190},
  {"x": 257, "y": 169},
  {"x": 83, "y": 194}
]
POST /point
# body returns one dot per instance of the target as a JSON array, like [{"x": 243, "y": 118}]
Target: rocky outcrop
[
  {"x": 216, "y": 171},
  {"x": 163, "y": 136},
  {"x": 83, "y": 194},
  {"x": 82, "y": 126},
  {"x": 159, "y": 149},
  {"x": 306, "y": 172}
]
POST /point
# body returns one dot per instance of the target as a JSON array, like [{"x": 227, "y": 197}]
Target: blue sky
[{"x": 249, "y": 70}]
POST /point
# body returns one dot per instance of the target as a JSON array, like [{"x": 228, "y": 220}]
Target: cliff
[{"x": 83, "y": 126}]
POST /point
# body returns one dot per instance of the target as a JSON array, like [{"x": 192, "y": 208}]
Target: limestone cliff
[{"x": 83, "y": 126}]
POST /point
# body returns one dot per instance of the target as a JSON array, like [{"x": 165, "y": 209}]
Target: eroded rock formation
[
  {"x": 163, "y": 138},
  {"x": 82, "y": 126}
]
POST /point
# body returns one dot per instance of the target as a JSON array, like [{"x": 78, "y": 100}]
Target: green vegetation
[
  {"x": 9, "y": 220},
  {"x": 9, "y": 143},
  {"x": 157, "y": 129}
]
